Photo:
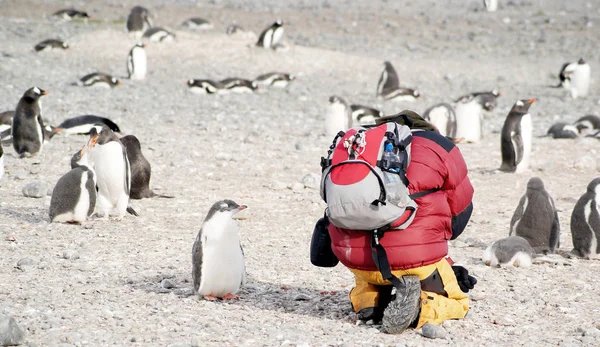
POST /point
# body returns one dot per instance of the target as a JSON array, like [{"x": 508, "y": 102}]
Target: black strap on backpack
[{"x": 326, "y": 162}]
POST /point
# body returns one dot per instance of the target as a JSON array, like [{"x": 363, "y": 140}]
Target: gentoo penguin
[
  {"x": 108, "y": 157},
  {"x": 487, "y": 100},
  {"x": 234, "y": 29},
  {"x": 28, "y": 126},
  {"x": 563, "y": 131},
  {"x": 70, "y": 14},
  {"x": 74, "y": 196},
  {"x": 140, "y": 170},
  {"x": 516, "y": 135},
  {"x": 239, "y": 85},
  {"x": 218, "y": 269},
  {"x": 271, "y": 36},
  {"x": 339, "y": 116},
  {"x": 83, "y": 124},
  {"x": 6, "y": 118},
  {"x": 364, "y": 115},
  {"x": 1, "y": 160},
  {"x": 443, "y": 117},
  {"x": 587, "y": 124},
  {"x": 490, "y": 5},
  {"x": 511, "y": 251},
  {"x": 138, "y": 20},
  {"x": 389, "y": 88},
  {"x": 197, "y": 23},
  {"x": 205, "y": 87},
  {"x": 98, "y": 79},
  {"x": 157, "y": 34},
  {"x": 469, "y": 119},
  {"x": 535, "y": 219},
  {"x": 51, "y": 44},
  {"x": 274, "y": 79},
  {"x": 137, "y": 62},
  {"x": 585, "y": 223},
  {"x": 580, "y": 80}
]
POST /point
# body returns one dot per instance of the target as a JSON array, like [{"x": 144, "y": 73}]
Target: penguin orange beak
[
  {"x": 531, "y": 101},
  {"x": 93, "y": 141},
  {"x": 43, "y": 92},
  {"x": 242, "y": 207}
]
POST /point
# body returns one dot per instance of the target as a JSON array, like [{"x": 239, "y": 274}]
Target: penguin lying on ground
[
  {"x": 140, "y": 170},
  {"x": 218, "y": 269},
  {"x": 587, "y": 124},
  {"x": 137, "y": 21},
  {"x": 239, "y": 85},
  {"x": 74, "y": 196},
  {"x": 70, "y": 14},
  {"x": 1, "y": 161},
  {"x": 487, "y": 100},
  {"x": 516, "y": 137},
  {"x": 364, "y": 115},
  {"x": 197, "y": 23},
  {"x": 157, "y": 34},
  {"x": 511, "y": 251},
  {"x": 271, "y": 37},
  {"x": 585, "y": 223},
  {"x": 6, "y": 118},
  {"x": 27, "y": 125},
  {"x": 205, "y": 87},
  {"x": 536, "y": 219},
  {"x": 51, "y": 44},
  {"x": 274, "y": 79},
  {"x": 562, "y": 130},
  {"x": 388, "y": 87},
  {"x": 97, "y": 79},
  {"x": 83, "y": 124}
]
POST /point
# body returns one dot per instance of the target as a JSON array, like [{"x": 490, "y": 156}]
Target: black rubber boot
[{"x": 404, "y": 309}]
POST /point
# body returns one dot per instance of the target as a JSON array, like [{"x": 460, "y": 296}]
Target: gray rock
[
  {"x": 25, "y": 262},
  {"x": 312, "y": 181},
  {"x": 302, "y": 297},
  {"x": 35, "y": 189},
  {"x": 10, "y": 333},
  {"x": 167, "y": 284},
  {"x": 70, "y": 254},
  {"x": 433, "y": 331},
  {"x": 297, "y": 187}
]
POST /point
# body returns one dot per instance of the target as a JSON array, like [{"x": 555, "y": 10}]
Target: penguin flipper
[
  {"x": 555, "y": 232},
  {"x": 197, "y": 261},
  {"x": 243, "y": 282},
  {"x": 518, "y": 150},
  {"x": 517, "y": 215},
  {"x": 131, "y": 211}
]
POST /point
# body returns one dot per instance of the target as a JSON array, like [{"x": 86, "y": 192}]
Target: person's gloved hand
[{"x": 465, "y": 281}]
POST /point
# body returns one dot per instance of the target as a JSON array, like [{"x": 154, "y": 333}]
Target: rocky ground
[{"x": 103, "y": 283}]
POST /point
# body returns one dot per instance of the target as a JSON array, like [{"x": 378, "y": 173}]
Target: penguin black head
[
  {"x": 278, "y": 23},
  {"x": 33, "y": 94},
  {"x": 226, "y": 207},
  {"x": 496, "y": 92},
  {"x": 591, "y": 188},
  {"x": 334, "y": 99},
  {"x": 581, "y": 61},
  {"x": 535, "y": 183},
  {"x": 521, "y": 106},
  {"x": 115, "y": 81},
  {"x": 101, "y": 134}
]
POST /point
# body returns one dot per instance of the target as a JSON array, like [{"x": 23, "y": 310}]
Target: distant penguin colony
[
  {"x": 137, "y": 62},
  {"x": 469, "y": 119},
  {"x": 138, "y": 21},
  {"x": 98, "y": 79},
  {"x": 516, "y": 135},
  {"x": 535, "y": 219},
  {"x": 389, "y": 88},
  {"x": 74, "y": 195},
  {"x": 585, "y": 223},
  {"x": 511, "y": 251},
  {"x": 218, "y": 268},
  {"x": 108, "y": 157},
  {"x": 51, "y": 44},
  {"x": 28, "y": 126},
  {"x": 339, "y": 116},
  {"x": 271, "y": 37}
]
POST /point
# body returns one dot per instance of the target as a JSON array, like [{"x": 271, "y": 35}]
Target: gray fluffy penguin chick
[
  {"x": 536, "y": 219},
  {"x": 138, "y": 20},
  {"x": 218, "y": 269},
  {"x": 511, "y": 251},
  {"x": 585, "y": 223},
  {"x": 28, "y": 126},
  {"x": 74, "y": 196}
]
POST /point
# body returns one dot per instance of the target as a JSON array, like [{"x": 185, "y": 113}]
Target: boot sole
[{"x": 404, "y": 309}]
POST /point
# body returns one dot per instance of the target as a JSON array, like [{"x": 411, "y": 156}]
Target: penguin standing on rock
[
  {"x": 536, "y": 219},
  {"x": 74, "y": 196},
  {"x": 512, "y": 251},
  {"x": 28, "y": 127},
  {"x": 585, "y": 223},
  {"x": 339, "y": 116},
  {"x": 140, "y": 170},
  {"x": 218, "y": 269},
  {"x": 389, "y": 88},
  {"x": 516, "y": 135},
  {"x": 109, "y": 159},
  {"x": 138, "y": 20},
  {"x": 271, "y": 37},
  {"x": 137, "y": 62}
]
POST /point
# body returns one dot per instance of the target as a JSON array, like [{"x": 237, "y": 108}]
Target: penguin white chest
[
  {"x": 469, "y": 121},
  {"x": 440, "y": 117},
  {"x": 112, "y": 174},
  {"x": 223, "y": 268},
  {"x": 138, "y": 62},
  {"x": 580, "y": 81},
  {"x": 526, "y": 135},
  {"x": 277, "y": 36},
  {"x": 336, "y": 119}
]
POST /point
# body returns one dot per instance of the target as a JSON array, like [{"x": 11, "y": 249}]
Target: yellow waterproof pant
[{"x": 435, "y": 308}]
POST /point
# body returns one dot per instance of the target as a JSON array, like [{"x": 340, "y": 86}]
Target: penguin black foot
[{"x": 130, "y": 210}]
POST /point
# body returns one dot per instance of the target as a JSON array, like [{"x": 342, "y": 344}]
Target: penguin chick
[
  {"x": 138, "y": 20},
  {"x": 74, "y": 195},
  {"x": 536, "y": 219},
  {"x": 27, "y": 126},
  {"x": 585, "y": 223},
  {"x": 218, "y": 269},
  {"x": 443, "y": 117},
  {"x": 510, "y": 251}
]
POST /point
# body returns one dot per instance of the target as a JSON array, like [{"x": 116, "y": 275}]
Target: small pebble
[
  {"x": 433, "y": 331},
  {"x": 167, "y": 284},
  {"x": 70, "y": 254},
  {"x": 25, "y": 262},
  {"x": 297, "y": 187},
  {"x": 35, "y": 189},
  {"x": 10, "y": 333}
]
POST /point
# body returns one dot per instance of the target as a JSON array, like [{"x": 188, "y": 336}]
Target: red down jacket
[{"x": 435, "y": 162}]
